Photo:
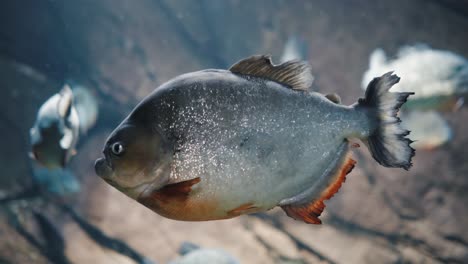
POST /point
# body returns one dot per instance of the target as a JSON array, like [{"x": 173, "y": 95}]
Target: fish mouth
[
  {"x": 105, "y": 172},
  {"x": 102, "y": 169}
]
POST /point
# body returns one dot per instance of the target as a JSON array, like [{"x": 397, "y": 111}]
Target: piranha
[
  {"x": 55, "y": 131},
  {"x": 216, "y": 144}
]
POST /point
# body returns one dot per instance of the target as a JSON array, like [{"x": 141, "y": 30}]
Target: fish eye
[{"x": 117, "y": 148}]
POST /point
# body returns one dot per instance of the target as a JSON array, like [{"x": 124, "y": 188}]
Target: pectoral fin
[
  {"x": 176, "y": 201},
  {"x": 175, "y": 192},
  {"x": 310, "y": 210},
  {"x": 68, "y": 139},
  {"x": 335, "y": 98}
]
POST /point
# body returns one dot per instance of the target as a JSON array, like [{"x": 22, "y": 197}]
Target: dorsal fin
[{"x": 295, "y": 74}]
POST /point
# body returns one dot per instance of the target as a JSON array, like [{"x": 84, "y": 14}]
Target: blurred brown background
[{"x": 124, "y": 49}]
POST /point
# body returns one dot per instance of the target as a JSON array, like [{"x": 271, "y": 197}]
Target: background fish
[
  {"x": 55, "y": 131},
  {"x": 60, "y": 181},
  {"x": 216, "y": 144},
  {"x": 438, "y": 78},
  {"x": 60, "y": 122},
  {"x": 428, "y": 129}
]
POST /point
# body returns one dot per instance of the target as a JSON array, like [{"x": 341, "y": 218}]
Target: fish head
[{"x": 135, "y": 156}]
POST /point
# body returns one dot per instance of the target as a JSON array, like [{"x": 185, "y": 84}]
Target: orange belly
[
  {"x": 188, "y": 209},
  {"x": 178, "y": 202}
]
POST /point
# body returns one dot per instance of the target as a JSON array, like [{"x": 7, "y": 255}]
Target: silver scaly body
[{"x": 254, "y": 140}]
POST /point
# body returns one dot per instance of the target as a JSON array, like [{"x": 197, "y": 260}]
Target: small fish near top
[
  {"x": 438, "y": 78},
  {"x": 216, "y": 144}
]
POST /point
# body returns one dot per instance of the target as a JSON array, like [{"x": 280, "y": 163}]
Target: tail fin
[{"x": 388, "y": 143}]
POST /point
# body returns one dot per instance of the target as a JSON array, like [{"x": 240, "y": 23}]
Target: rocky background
[{"x": 124, "y": 49}]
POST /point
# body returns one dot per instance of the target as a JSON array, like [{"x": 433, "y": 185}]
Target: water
[{"x": 122, "y": 50}]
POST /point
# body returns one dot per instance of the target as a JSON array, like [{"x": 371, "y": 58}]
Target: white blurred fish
[
  {"x": 58, "y": 125},
  {"x": 428, "y": 128},
  {"x": 86, "y": 106},
  {"x": 55, "y": 131},
  {"x": 438, "y": 78},
  {"x": 193, "y": 254}
]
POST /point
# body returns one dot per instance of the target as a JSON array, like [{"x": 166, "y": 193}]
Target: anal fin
[{"x": 310, "y": 212}]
